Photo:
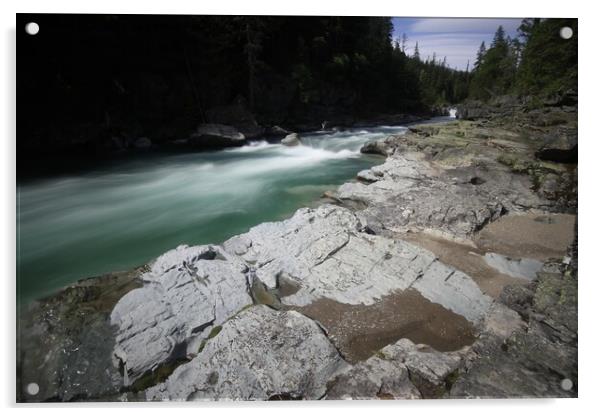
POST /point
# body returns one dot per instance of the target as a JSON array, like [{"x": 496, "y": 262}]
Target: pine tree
[
  {"x": 404, "y": 42},
  {"x": 416, "y": 55},
  {"x": 480, "y": 56},
  {"x": 548, "y": 63},
  {"x": 499, "y": 39},
  {"x": 494, "y": 68}
]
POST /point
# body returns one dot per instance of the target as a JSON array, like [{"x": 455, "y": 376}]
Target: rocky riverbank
[
  {"x": 79, "y": 146},
  {"x": 449, "y": 271}
]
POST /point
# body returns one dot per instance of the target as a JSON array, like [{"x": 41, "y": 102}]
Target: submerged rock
[
  {"x": 216, "y": 135},
  {"x": 359, "y": 331},
  {"x": 522, "y": 267},
  {"x": 237, "y": 115},
  {"x": 143, "y": 143},
  {"x": 259, "y": 354},
  {"x": 277, "y": 131}
]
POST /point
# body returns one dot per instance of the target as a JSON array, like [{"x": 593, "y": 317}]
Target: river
[{"x": 122, "y": 215}]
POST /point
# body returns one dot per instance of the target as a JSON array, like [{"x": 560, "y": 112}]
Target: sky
[{"x": 457, "y": 39}]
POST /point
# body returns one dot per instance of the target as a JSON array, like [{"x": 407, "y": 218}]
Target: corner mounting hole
[
  {"x": 566, "y": 32},
  {"x": 32, "y": 28},
  {"x": 566, "y": 384},
  {"x": 33, "y": 389}
]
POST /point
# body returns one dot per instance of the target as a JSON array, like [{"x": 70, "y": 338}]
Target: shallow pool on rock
[{"x": 125, "y": 214}]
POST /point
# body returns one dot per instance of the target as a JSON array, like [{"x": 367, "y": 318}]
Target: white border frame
[{"x": 589, "y": 187}]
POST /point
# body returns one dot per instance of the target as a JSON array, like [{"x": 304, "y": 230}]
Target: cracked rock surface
[
  {"x": 187, "y": 292},
  {"x": 259, "y": 354},
  {"x": 326, "y": 255},
  {"x": 321, "y": 252}
]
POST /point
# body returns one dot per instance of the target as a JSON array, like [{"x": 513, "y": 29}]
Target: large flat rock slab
[
  {"x": 408, "y": 193},
  {"x": 259, "y": 354},
  {"x": 326, "y": 254},
  {"x": 187, "y": 292}
]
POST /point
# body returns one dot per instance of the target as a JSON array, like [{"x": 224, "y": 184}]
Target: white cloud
[
  {"x": 481, "y": 25},
  {"x": 456, "y": 39},
  {"x": 458, "y": 49}
]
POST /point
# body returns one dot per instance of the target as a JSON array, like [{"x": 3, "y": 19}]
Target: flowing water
[{"x": 123, "y": 215}]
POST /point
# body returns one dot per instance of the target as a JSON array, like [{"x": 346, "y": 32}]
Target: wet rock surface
[
  {"x": 359, "y": 331},
  {"x": 291, "y": 139},
  {"x": 65, "y": 342}
]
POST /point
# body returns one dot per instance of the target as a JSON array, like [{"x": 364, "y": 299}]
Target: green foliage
[
  {"x": 496, "y": 68},
  {"x": 549, "y": 62},
  {"x": 538, "y": 62},
  {"x": 349, "y": 65}
]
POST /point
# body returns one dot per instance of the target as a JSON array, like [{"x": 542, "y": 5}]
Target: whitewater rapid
[{"x": 123, "y": 215}]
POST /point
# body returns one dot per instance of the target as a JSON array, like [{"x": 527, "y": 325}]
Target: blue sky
[{"x": 457, "y": 39}]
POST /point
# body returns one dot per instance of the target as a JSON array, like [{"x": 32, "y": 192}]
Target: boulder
[
  {"x": 473, "y": 110},
  {"x": 377, "y": 147},
  {"x": 277, "y": 131},
  {"x": 376, "y": 378},
  {"x": 560, "y": 146},
  {"x": 402, "y": 370},
  {"x": 216, "y": 136},
  {"x": 143, "y": 143},
  {"x": 429, "y": 368},
  {"x": 260, "y": 354},
  {"x": 187, "y": 292},
  {"x": 238, "y": 116},
  {"x": 291, "y": 140},
  {"x": 367, "y": 175}
]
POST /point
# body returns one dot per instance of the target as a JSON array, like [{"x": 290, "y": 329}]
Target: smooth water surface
[{"x": 128, "y": 213}]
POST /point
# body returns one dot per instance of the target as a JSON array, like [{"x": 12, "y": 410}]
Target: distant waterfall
[{"x": 452, "y": 112}]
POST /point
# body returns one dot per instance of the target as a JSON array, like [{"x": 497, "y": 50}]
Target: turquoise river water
[{"x": 124, "y": 214}]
